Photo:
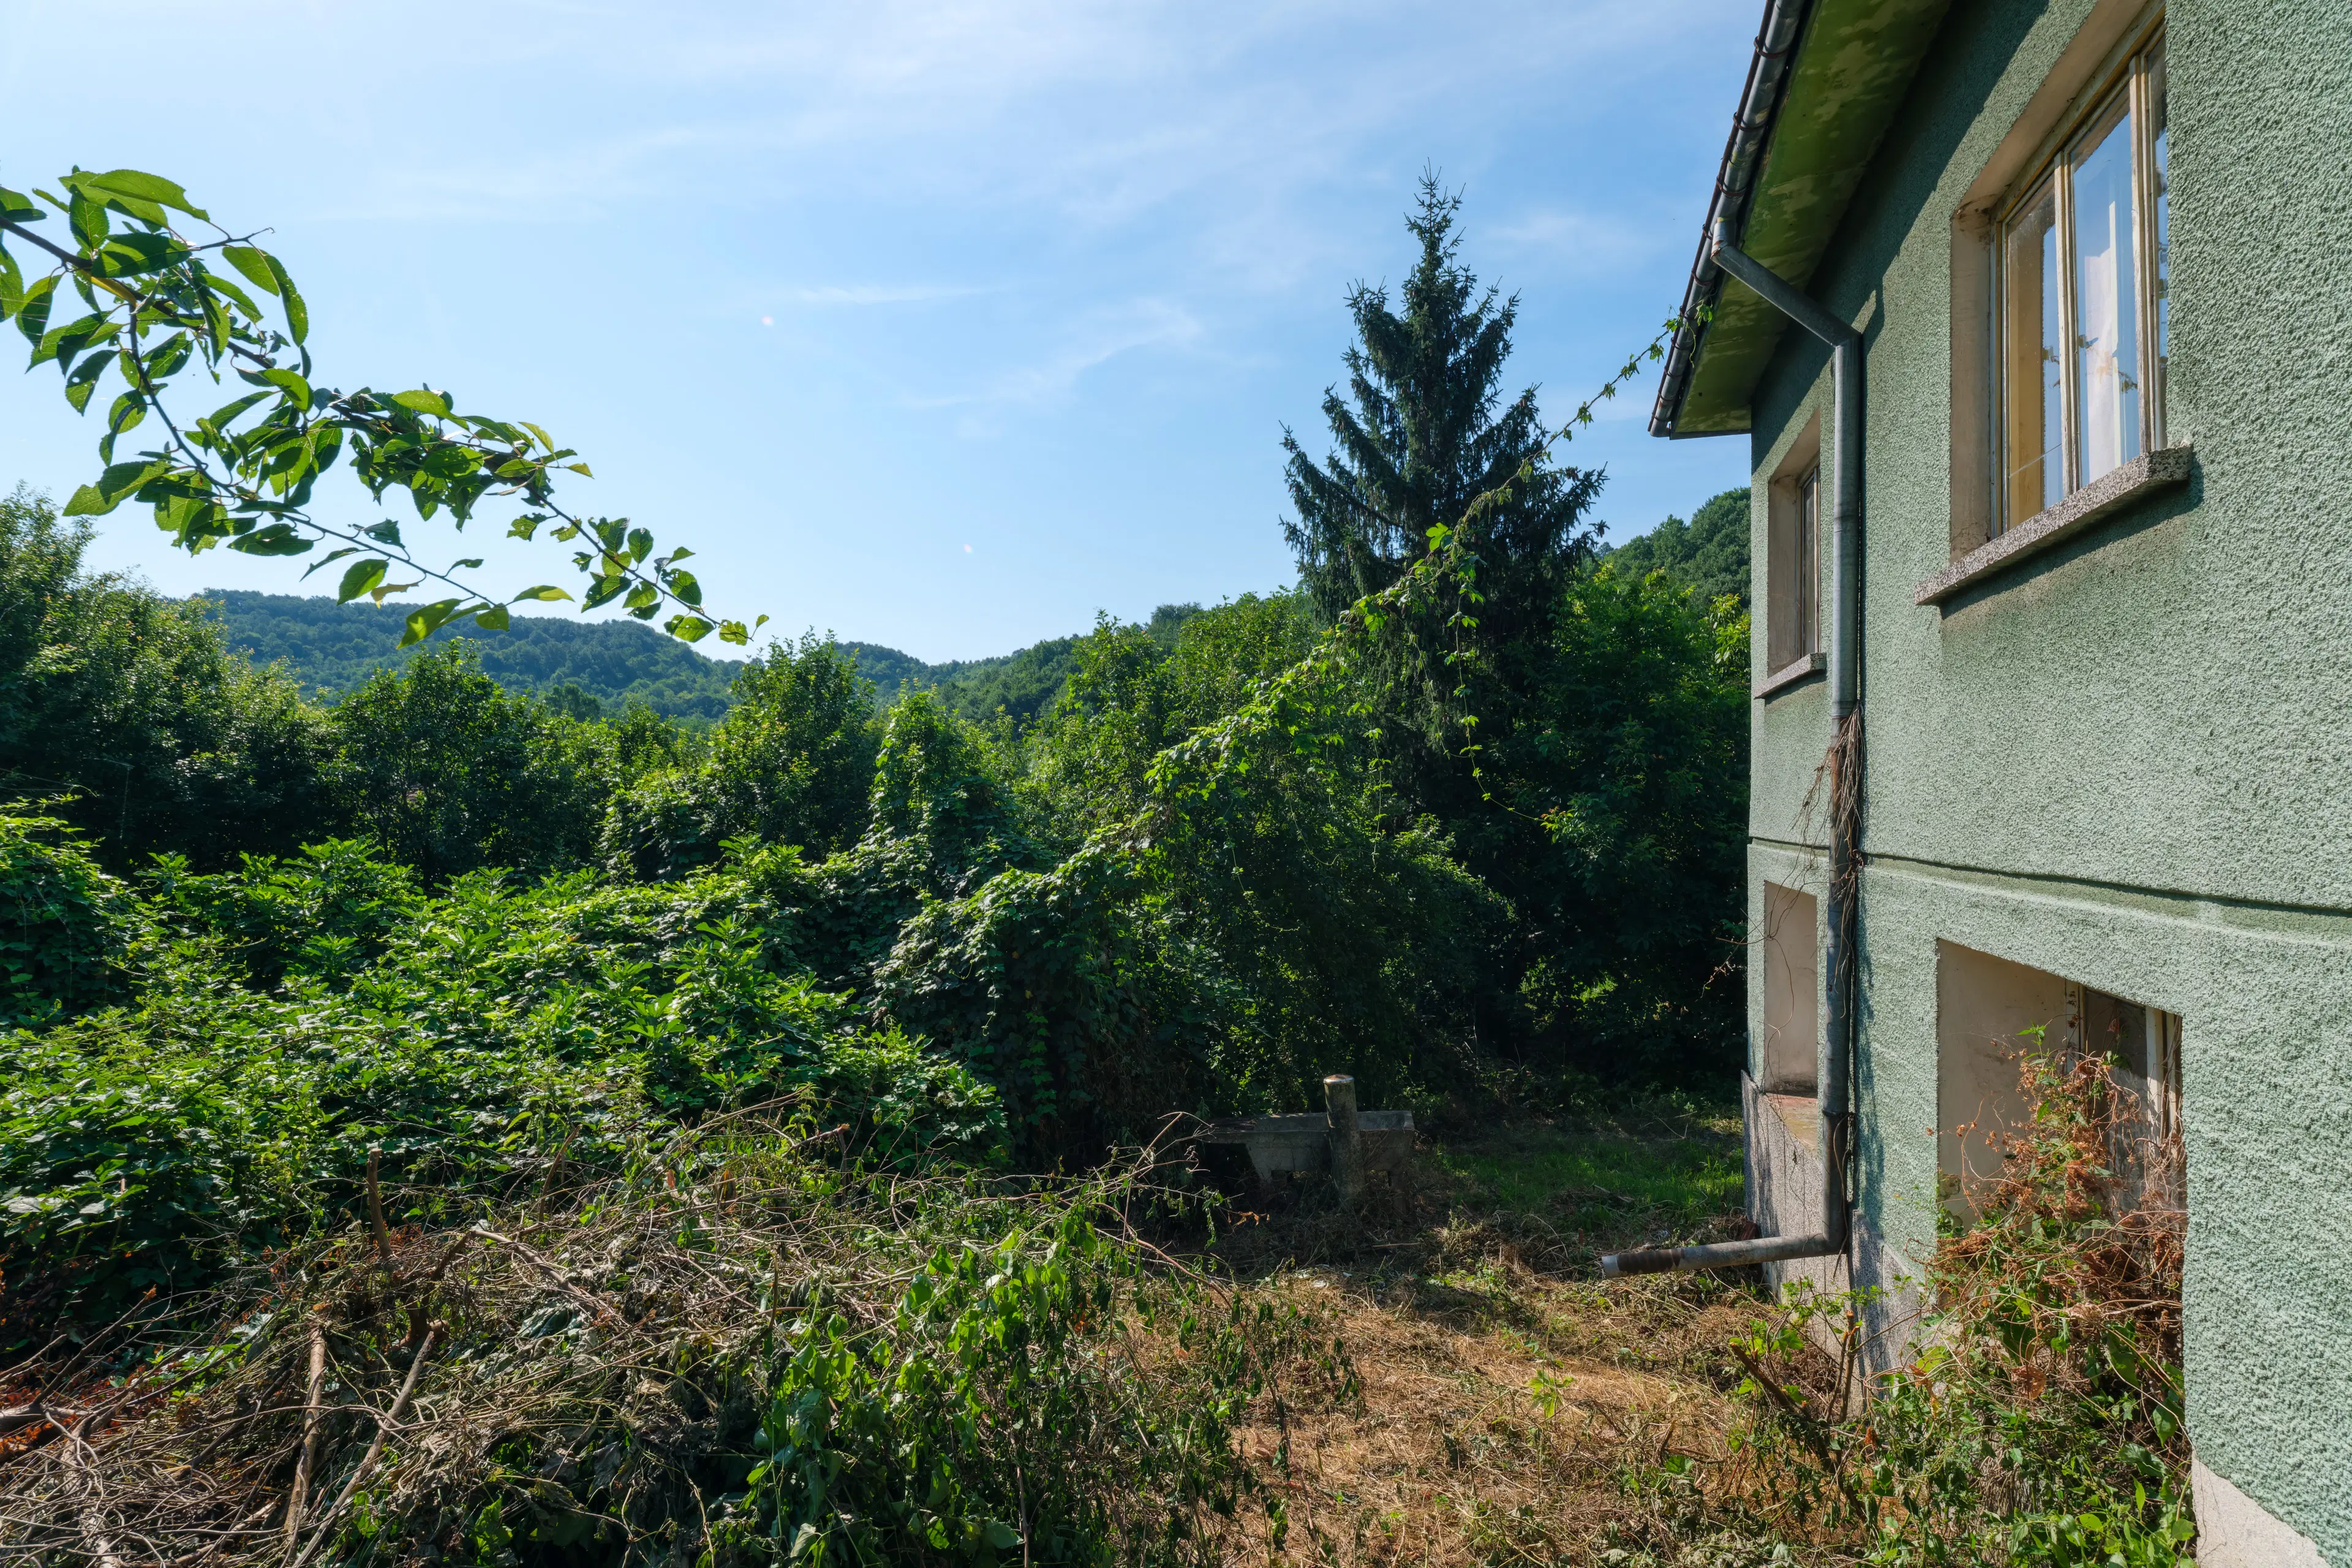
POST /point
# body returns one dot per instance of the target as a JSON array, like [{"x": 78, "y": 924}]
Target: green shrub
[
  {"x": 62, "y": 935},
  {"x": 2041, "y": 1420}
]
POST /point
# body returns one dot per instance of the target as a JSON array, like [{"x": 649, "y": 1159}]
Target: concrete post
[{"x": 1347, "y": 1137}]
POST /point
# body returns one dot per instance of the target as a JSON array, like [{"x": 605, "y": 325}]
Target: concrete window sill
[
  {"x": 2135, "y": 481},
  {"x": 1789, "y": 675}
]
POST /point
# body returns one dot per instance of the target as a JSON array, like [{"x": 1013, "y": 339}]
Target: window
[
  {"x": 1787, "y": 1057},
  {"x": 1792, "y": 615},
  {"x": 1990, "y": 1013},
  {"x": 2081, "y": 295}
]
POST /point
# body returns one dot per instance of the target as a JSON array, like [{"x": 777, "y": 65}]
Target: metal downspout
[{"x": 1834, "y": 1072}]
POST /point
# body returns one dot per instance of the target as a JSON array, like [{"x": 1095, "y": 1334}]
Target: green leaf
[
  {"x": 493, "y": 619},
  {"x": 424, "y": 400},
  {"x": 469, "y": 561},
  {"x": 426, "y": 619},
  {"x": 33, "y": 312},
  {"x": 87, "y": 219},
  {"x": 687, "y": 629},
  {"x": 385, "y": 533},
  {"x": 604, "y": 591},
  {"x": 683, "y": 585},
  {"x": 129, "y": 255},
  {"x": 641, "y": 543},
  {"x": 544, "y": 591},
  {"x": 228, "y": 414},
  {"x": 297, "y": 314},
  {"x": 524, "y": 527},
  {"x": 84, "y": 381},
  {"x": 382, "y": 589},
  {"x": 1001, "y": 1535},
  {"x": 131, "y": 185},
  {"x": 297, "y": 391},
  {"x": 329, "y": 558},
  {"x": 581, "y": 468},
  {"x": 119, "y": 480},
  {"x": 12, "y": 284},
  {"x": 254, "y": 263},
  {"x": 71, "y": 339},
  {"x": 18, "y": 207},
  {"x": 277, "y": 539},
  {"x": 221, "y": 285},
  {"x": 361, "y": 577}
]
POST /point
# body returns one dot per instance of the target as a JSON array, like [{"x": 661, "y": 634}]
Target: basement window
[
  {"x": 1788, "y": 1057},
  {"x": 1989, "y": 1014},
  {"x": 2082, "y": 323}
]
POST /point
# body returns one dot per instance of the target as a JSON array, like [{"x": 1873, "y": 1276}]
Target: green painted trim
[{"x": 1854, "y": 66}]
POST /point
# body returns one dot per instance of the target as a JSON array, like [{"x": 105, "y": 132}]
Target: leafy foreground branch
[
  {"x": 739, "y": 1352},
  {"x": 243, "y": 474}
]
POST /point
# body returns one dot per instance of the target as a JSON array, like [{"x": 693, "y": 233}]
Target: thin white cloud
[
  {"x": 1101, "y": 336},
  {"x": 855, "y": 294}
]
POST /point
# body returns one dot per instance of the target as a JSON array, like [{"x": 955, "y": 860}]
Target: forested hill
[
  {"x": 334, "y": 648},
  {"x": 1709, "y": 552},
  {"x": 605, "y": 666}
]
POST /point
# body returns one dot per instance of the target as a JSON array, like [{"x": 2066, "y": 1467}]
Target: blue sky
[{"x": 938, "y": 325}]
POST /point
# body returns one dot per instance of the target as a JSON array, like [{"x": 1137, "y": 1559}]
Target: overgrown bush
[
  {"x": 62, "y": 923},
  {"x": 123, "y": 708},
  {"x": 2041, "y": 1420},
  {"x": 793, "y": 762},
  {"x": 287, "y": 1017}
]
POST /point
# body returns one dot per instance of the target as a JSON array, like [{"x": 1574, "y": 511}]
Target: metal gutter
[
  {"x": 1834, "y": 1071},
  {"x": 1735, "y": 183}
]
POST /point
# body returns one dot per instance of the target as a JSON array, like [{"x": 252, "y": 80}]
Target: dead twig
[
  {"x": 375, "y": 1206},
  {"x": 91, "y": 1513},
  {"x": 311, "y": 1418},
  {"x": 601, "y": 1310},
  {"x": 385, "y": 1424}
]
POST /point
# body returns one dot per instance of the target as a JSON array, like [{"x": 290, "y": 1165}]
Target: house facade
[{"x": 2096, "y": 613}]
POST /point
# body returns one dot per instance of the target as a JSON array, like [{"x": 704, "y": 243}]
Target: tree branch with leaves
[{"x": 160, "y": 302}]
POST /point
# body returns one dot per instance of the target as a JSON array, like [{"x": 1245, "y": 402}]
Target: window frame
[
  {"x": 1806, "y": 547},
  {"x": 2132, "y": 84}
]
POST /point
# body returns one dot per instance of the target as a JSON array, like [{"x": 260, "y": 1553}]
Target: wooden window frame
[{"x": 2133, "y": 87}]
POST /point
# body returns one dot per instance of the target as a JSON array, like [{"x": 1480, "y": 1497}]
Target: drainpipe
[{"x": 1845, "y": 658}]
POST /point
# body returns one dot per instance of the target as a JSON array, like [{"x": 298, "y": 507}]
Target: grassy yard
[{"x": 1511, "y": 1406}]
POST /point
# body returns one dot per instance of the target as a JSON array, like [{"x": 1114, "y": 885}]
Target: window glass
[
  {"x": 2106, "y": 300},
  {"x": 2159, "y": 200},
  {"x": 2034, "y": 474},
  {"x": 1808, "y": 561}
]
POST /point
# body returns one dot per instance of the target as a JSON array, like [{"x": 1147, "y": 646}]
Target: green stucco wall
[{"x": 2128, "y": 762}]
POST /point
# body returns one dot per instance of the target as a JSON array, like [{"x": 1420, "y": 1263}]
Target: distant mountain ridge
[{"x": 591, "y": 665}]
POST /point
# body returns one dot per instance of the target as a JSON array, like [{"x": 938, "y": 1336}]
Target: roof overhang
[{"x": 1811, "y": 121}]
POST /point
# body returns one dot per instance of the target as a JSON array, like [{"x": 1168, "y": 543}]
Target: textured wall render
[{"x": 2128, "y": 762}]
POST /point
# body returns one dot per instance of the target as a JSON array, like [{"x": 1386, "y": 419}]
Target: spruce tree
[{"x": 1422, "y": 433}]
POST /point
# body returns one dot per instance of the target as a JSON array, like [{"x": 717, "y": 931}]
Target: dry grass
[
  {"x": 1501, "y": 1405},
  {"x": 1510, "y": 1406}
]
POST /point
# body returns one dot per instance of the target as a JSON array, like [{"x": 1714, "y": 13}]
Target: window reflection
[{"x": 2106, "y": 303}]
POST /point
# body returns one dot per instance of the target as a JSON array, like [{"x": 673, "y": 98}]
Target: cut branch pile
[{"x": 598, "y": 1372}]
